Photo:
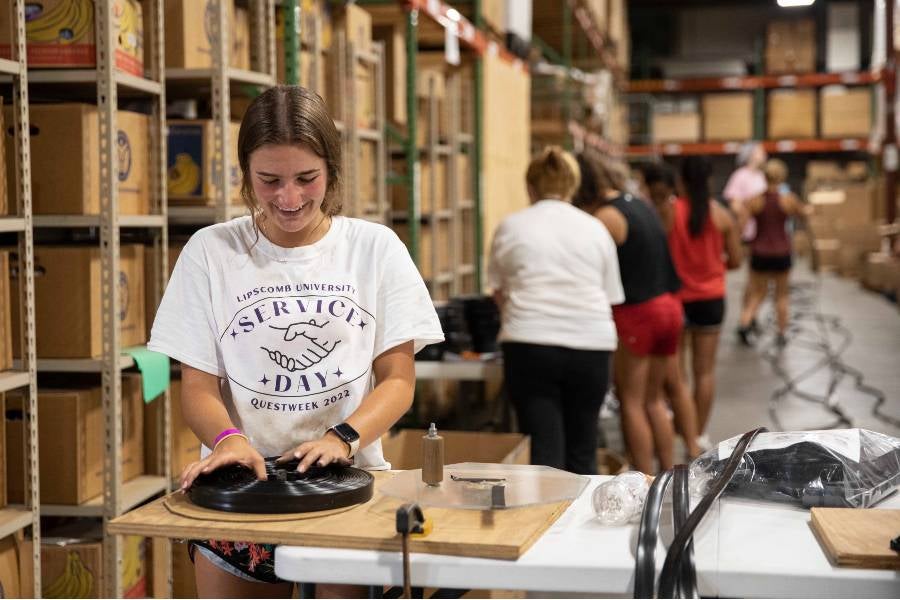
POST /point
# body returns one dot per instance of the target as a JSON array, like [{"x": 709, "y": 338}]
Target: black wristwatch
[{"x": 349, "y": 435}]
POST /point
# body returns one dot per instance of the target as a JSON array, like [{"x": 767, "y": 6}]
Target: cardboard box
[
  {"x": 10, "y": 581},
  {"x": 185, "y": 445},
  {"x": 827, "y": 253},
  {"x": 881, "y": 273},
  {"x": 190, "y": 163},
  {"x": 74, "y": 569},
  {"x": 403, "y": 448},
  {"x": 394, "y": 39},
  {"x": 792, "y": 114},
  {"x": 433, "y": 196},
  {"x": 65, "y": 156},
  {"x": 152, "y": 291},
  {"x": 184, "y": 583},
  {"x": 849, "y": 204},
  {"x": 6, "y": 329},
  {"x": 8, "y": 193},
  {"x": 74, "y": 419},
  {"x": 3, "y": 461},
  {"x": 367, "y": 176},
  {"x": 676, "y": 127},
  {"x": 365, "y": 96},
  {"x": 356, "y": 24},
  {"x": 728, "y": 117},
  {"x": 60, "y": 34},
  {"x": 791, "y": 46},
  {"x": 188, "y": 34},
  {"x": 68, "y": 301},
  {"x": 434, "y": 241},
  {"x": 845, "y": 112}
]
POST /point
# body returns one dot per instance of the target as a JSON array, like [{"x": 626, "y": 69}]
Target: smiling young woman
[{"x": 315, "y": 361}]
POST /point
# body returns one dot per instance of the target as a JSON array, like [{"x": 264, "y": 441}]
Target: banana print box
[
  {"x": 72, "y": 569},
  {"x": 68, "y": 300},
  {"x": 191, "y": 165},
  {"x": 65, "y": 159},
  {"x": 60, "y": 34}
]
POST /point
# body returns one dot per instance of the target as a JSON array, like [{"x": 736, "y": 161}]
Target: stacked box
[
  {"x": 74, "y": 419},
  {"x": 75, "y": 129},
  {"x": 791, "y": 46},
  {"x": 60, "y": 34},
  {"x": 792, "y": 114},
  {"x": 6, "y": 328},
  {"x": 845, "y": 112},
  {"x": 185, "y": 445},
  {"x": 728, "y": 117},
  {"x": 68, "y": 301},
  {"x": 190, "y": 164},
  {"x": 189, "y": 26}
]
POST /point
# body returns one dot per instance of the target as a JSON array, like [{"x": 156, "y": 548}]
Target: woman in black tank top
[{"x": 650, "y": 321}]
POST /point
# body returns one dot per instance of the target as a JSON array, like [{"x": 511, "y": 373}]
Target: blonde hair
[
  {"x": 776, "y": 171},
  {"x": 553, "y": 172}
]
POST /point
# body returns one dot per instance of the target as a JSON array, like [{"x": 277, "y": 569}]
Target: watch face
[{"x": 346, "y": 432}]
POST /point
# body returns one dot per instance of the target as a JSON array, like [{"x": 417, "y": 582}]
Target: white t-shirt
[
  {"x": 559, "y": 271},
  {"x": 293, "y": 331}
]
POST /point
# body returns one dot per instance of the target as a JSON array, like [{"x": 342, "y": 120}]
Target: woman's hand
[
  {"x": 234, "y": 450},
  {"x": 324, "y": 451}
]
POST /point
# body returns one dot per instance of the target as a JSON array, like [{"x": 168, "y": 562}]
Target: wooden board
[
  {"x": 501, "y": 534},
  {"x": 855, "y": 537},
  {"x": 179, "y": 504}
]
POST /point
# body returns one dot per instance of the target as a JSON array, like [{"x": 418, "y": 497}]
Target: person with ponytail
[
  {"x": 704, "y": 241},
  {"x": 555, "y": 275},
  {"x": 650, "y": 320}
]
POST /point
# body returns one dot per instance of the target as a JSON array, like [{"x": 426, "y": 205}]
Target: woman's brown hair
[
  {"x": 595, "y": 181},
  {"x": 288, "y": 115},
  {"x": 553, "y": 172}
]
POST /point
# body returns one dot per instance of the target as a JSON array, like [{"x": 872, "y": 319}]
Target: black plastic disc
[{"x": 236, "y": 489}]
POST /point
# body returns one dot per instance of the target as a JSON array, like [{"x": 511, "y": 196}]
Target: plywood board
[
  {"x": 506, "y": 144},
  {"x": 501, "y": 534},
  {"x": 855, "y": 537}
]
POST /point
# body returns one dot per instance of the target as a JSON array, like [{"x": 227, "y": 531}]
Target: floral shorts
[{"x": 254, "y": 562}]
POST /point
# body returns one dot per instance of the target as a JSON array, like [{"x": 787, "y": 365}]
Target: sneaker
[
  {"x": 781, "y": 340},
  {"x": 746, "y": 337},
  {"x": 754, "y": 327},
  {"x": 704, "y": 442}
]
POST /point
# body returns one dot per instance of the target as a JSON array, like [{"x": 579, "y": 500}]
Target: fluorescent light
[{"x": 792, "y": 3}]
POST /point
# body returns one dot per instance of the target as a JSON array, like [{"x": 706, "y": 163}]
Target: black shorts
[
  {"x": 702, "y": 314},
  {"x": 770, "y": 264}
]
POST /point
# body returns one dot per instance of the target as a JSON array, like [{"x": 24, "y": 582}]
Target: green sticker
[{"x": 154, "y": 368}]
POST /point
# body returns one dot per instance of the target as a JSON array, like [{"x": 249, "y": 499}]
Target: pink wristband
[{"x": 225, "y": 434}]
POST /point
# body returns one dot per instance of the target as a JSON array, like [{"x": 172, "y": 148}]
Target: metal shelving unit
[
  {"x": 219, "y": 79},
  {"x": 107, "y": 84},
  {"x": 811, "y": 146},
  {"x": 14, "y": 519}
]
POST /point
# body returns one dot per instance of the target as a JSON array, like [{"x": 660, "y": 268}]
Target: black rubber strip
[
  {"x": 645, "y": 553},
  {"x": 677, "y": 549},
  {"x": 681, "y": 507}
]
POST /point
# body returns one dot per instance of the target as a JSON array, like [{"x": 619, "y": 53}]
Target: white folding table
[{"x": 743, "y": 549}]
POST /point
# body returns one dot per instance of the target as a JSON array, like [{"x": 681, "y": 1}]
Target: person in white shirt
[
  {"x": 555, "y": 275},
  {"x": 296, "y": 327}
]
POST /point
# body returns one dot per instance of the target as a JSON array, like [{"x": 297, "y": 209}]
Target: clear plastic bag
[{"x": 854, "y": 468}]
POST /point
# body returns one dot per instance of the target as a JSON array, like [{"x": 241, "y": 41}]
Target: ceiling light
[{"x": 792, "y": 3}]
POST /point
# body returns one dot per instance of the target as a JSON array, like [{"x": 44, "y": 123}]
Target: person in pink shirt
[{"x": 746, "y": 183}]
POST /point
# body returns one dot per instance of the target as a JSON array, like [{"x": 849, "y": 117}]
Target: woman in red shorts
[{"x": 650, "y": 321}]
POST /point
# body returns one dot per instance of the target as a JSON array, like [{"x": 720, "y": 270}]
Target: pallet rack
[
  {"x": 14, "y": 519},
  {"x": 757, "y": 84}
]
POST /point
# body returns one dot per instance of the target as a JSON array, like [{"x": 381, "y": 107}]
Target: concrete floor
[{"x": 746, "y": 380}]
